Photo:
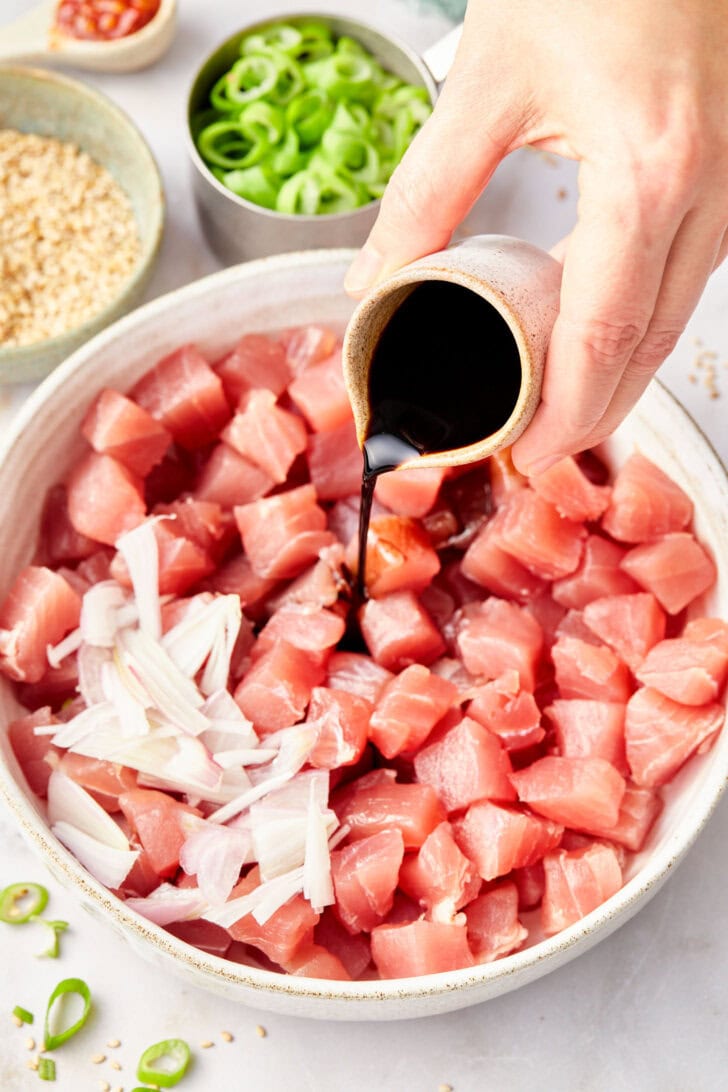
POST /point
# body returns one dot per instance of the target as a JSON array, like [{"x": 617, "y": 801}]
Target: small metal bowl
[
  {"x": 33, "y": 100},
  {"x": 237, "y": 229}
]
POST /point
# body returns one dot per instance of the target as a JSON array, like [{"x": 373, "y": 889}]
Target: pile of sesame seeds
[{"x": 68, "y": 237}]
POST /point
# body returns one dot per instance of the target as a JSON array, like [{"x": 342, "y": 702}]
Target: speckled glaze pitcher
[{"x": 519, "y": 280}]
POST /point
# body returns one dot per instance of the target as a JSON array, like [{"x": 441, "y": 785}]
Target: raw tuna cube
[
  {"x": 276, "y": 690},
  {"x": 410, "y": 492},
  {"x": 354, "y": 951},
  {"x": 285, "y": 933},
  {"x": 421, "y": 947},
  {"x": 675, "y": 568},
  {"x": 661, "y": 734},
  {"x": 183, "y": 393},
  {"x": 439, "y": 876},
  {"x": 598, "y": 575},
  {"x": 692, "y": 668},
  {"x": 492, "y": 923},
  {"x": 159, "y": 822},
  {"x": 585, "y": 670},
  {"x": 104, "y": 498},
  {"x": 335, "y": 462},
  {"x": 505, "y": 480},
  {"x": 204, "y": 935},
  {"x": 60, "y": 541},
  {"x": 229, "y": 479},
  {"x": 509, "y": 712},
  {"x": 399, "y": 556},
  {"x": 182, "y": 562},
  {"x": 498, "y": 839},
  {"x": 237, "y": 577},
  {"x": 269, "y": 436},
  {"x": 573, "y": 625},
  {"x": 357, "y": 674},
  {"x": 256, "y": 361},
  {"x": 57, "y": 686},
  {"x": 118, "y": 427},
  {"x": 630, "y": 624},
  {"x": 398, "y": 631},
  {"x": 578, "y": 792},
  {"x": 314, "y": 631},
  {"x": 577, "y": 882},
  {"x": 536, "y": 535},
  {"x": 637, "y": 813},
  {"x": 343, "y": 724},
  {"x": 645, "y": 503},
  {"x": 202, "y": 522},
  {"x": 569, "y": 490},
  {"x": 307, "y": 345},
  {"x": 32, "y": 751},
  {"x": 530, "y": 884},
  {"x": 487, "y": 563},
  {"x": 105, "y": 781},
  {"x": 318, "y": 586},
  {"x": 319, "y": 393},
  {"x": 39, "y": 610},
  {"x": 284, "y": 533},
  {"x": 589, "y": 729},
  {"x": 408, "y": 709},
  {"x": 497, "y": 636},
  {"x": 467, "y": 764},
  {"x": 316, "y": 962},
  {"x": 370, "y": 805},
  {"x": 365, "y": 875}
]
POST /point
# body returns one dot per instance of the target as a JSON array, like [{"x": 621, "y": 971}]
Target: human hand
[{"x": 638, "y": 93}]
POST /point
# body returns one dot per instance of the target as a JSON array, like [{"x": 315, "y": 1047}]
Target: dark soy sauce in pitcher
[{"x": 445, "y": 373}]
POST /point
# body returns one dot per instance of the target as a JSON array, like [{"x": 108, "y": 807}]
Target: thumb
[{"x": 441, "y": 175}]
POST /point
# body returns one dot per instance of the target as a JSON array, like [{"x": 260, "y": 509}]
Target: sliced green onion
[
  {"x": 251, "y": 78},
  {"x": 316, "y": 42},
  {"x": 165, "y": 1063},
  {"x": 21, "y": 901},
  {"x": 256, "y": 184},
  {"x": 280, "y": 36},
  {"x": 344, "y": 76},
  {"x": 345, "y": 44},
  {"x": 56, "y": 928},
  {"x": 75, "y": 986},
  {"x": 351, "y": 155},
  {"x": 262, "y": 120},
  {"x": 22, "y": 1014},
  {"x": 224, "y": 144},
  {"x": 287, "y": 158},
  {"x": 46, "y": 1069},
  {"x": 309, "y": 115},
  {"x": 317, "y": 191}
]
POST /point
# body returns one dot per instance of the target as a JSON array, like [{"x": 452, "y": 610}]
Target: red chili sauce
[{"x": 102, "y": 20}]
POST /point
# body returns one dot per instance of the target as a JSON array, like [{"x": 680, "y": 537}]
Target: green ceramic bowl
[{"x": 33, "y": 100}]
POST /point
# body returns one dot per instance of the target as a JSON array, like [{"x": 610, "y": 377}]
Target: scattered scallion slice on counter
[
  {"x": 164, "y": 1063},
  {"x": 69, "y": 986},
  {"x": 56, "y": 928},
  {"x": 46, "y": 1069},
  {"x": 22, "y": 901},
  {"x": 23, "y": 1015},
  {"x": 306, "y": 123}
]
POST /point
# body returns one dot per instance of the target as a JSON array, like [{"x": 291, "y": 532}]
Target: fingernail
[
  {"x": 542, "y": 464},
  {"x": 363, "y": 271}
]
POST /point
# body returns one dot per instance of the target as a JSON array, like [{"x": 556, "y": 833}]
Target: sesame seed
[
  {"x": 444, "y": 1088},
  {"x": 116, "y": 1065},
  {"x": 562, "y": 193},
  {"x": 226, "y": 1036},
  {"x": 32, "y": 1063},
  {"x": 114, "y": 1043},
  {"x": 260, "y": 1031},
  {"x": 30, "y": 1044},
  {"x": 17, "y": 1021},
  {"x": 97, "y": 1059},
  {"x": 207, "y": 1044},
  {"x": 104, "y": 1086}
]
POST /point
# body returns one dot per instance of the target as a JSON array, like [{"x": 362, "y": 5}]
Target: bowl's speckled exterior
[
  {"x": 33, "y": 100},
  {"x": 214, "y": 312}
]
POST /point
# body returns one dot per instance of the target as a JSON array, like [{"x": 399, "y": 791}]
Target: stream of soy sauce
[{"x": 445, "y": 373}]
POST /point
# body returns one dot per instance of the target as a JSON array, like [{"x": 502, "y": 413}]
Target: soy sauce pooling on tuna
[{"x": 445, "y": 373}]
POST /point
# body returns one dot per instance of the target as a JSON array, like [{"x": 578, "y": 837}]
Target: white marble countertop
[{"x": 645, "y": 1011}]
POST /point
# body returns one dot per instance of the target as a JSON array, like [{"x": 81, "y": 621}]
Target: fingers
[
  {"x": 442, "y": 173},
  {"x": 691, "y": 260},
  {"x": 614, "y": 266}
]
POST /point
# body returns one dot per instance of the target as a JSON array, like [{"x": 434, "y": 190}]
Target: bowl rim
[
  {"x": 294, "y": 16},
  {"x": 515, "y": 967},
  {"x": 24, "y": 354}
]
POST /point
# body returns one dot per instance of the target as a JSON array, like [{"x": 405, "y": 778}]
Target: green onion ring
[
  {"x": 15, "y": 909},
  {"x": 68, "y": 985},
  {"x": 23, "y": 1015},
  {"x": 176, "y": 1050}
]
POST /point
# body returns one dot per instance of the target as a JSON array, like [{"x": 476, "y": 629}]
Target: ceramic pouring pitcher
[{"x": 519, "y": 280}]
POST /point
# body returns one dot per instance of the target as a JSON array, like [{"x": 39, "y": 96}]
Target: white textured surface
[{"x": 645, "y": 1011}]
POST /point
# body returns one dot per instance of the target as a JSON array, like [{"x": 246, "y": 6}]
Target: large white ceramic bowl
[{"x": 214, "y": 312}]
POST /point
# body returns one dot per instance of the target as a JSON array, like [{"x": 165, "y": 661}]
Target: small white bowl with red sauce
[{"x": 214, "y": 313}]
